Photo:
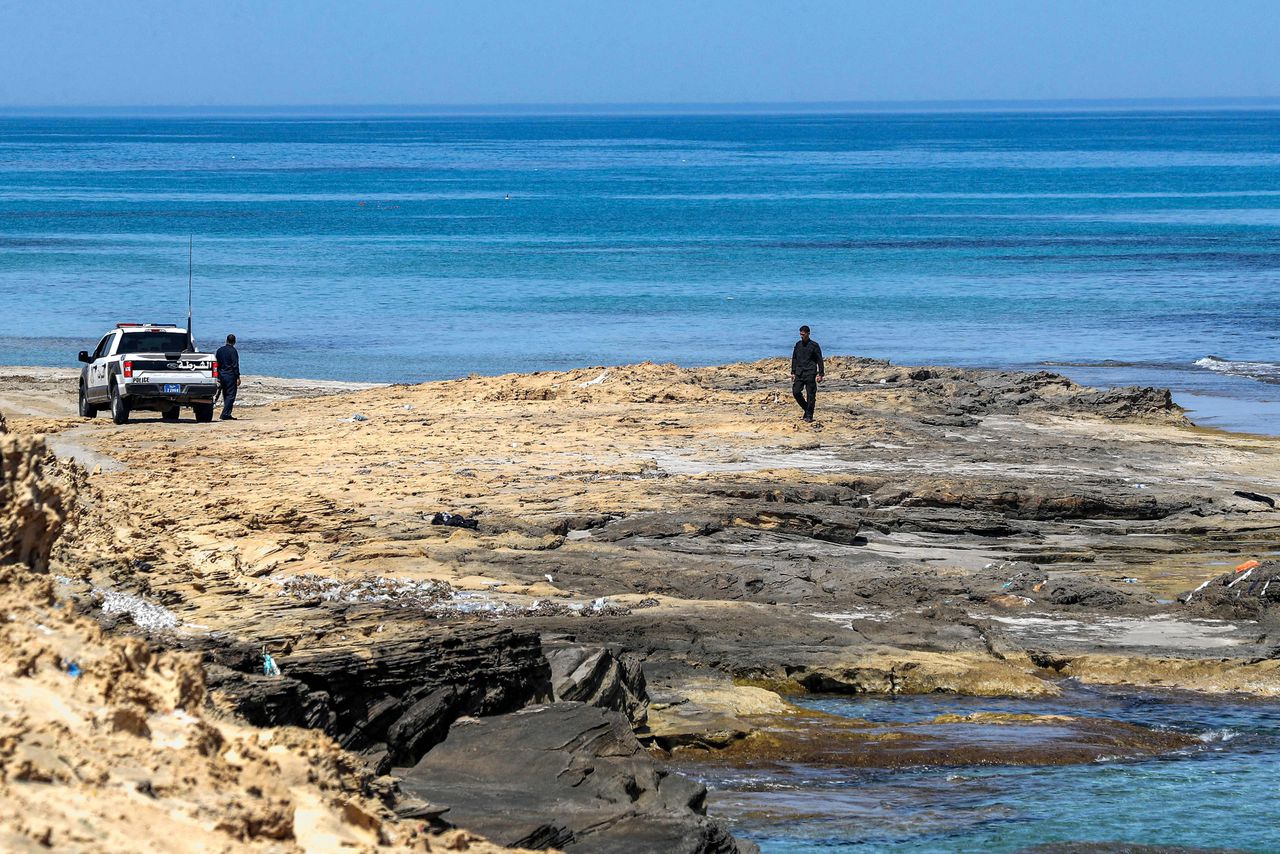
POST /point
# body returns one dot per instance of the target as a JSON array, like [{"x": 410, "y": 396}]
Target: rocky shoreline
[{"x": 662, "y": 557}]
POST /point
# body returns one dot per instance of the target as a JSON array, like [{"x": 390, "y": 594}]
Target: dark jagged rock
[
  {"x": 1032, "y": 501},
  {"x": 1250, "y": 594},
  {"x": 599, "y": 677},
  {"x": 570, "y": 776},
  {"x": 832, "y": 526},
  {"x": 1088, "y": 592},
  {"x": 1129, "y": 403},
  {"x": 395, "y": 701}
]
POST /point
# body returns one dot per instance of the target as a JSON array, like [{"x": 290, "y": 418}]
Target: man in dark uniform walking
[
  {"x": 228, "y": 375},
  {"x": 806, "y": 372}
]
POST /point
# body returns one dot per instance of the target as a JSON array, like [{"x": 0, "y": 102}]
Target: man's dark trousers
[
  {"x": 228, "y": 394},
  {"x": 799, "y": 387}
]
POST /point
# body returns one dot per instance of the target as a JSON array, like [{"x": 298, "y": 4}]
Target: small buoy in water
[{"x": 507, "y": 197}]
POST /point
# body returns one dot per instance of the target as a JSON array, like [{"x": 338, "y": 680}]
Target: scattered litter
[
  {"x": 1247, "y": 573},
  {"x": 549, "y": 579},
  {"x": 73, "y": 669},
  {"x": 145, "y": 615},
  {"x": 399, "y": 591},
  {"x": 439, "y": 598},
  {"x": 1248, "y": 564},
  {"x": 454, "y": 520},
  {"x": 358, "y": 417},
  {"x": 1130, "y": 581},
  {"x": 269, "y": 666},
  {"x": 595, "y": 381},
  {"x": 1198, "y": 589},
  {"x": 408, "y": 407}
]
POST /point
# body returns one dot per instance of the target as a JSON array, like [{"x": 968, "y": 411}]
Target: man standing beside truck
[{"x": 228, "y": 375}]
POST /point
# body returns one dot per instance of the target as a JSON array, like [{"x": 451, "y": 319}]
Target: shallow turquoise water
[
  {"x": 1223, "y": 793},
  {"x": 386, "y": 248}
]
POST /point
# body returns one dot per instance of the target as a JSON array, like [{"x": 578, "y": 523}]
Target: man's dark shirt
[
  {"x": 806, "y": 359},
  {"x": 228, "y": 362}
]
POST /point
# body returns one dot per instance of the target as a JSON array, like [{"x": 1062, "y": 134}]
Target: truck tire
[
  {"x": 119, "y": 406},
  {"x": 87, "y": 409},
  {"x": 203, "y": 411},
  {"x": 172, "y": 413}
]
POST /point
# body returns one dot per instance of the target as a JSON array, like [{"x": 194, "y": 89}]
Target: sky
[{"x": 69, "y": 53}]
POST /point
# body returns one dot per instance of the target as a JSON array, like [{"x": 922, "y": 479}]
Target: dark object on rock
[
  {"x": 569, "y": 776},
  {"x": 454, "y": 520},
  {"x": 1254, "y": 496}
]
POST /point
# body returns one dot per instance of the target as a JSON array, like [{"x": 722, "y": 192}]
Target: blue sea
[
  {"x": 1221, "y": 793},
  {"x": 1118, "y": 247}
]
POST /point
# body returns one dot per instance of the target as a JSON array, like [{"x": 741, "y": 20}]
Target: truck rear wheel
[
  {"x": 172, "y": 413},
  {"x": 87, "y": 409},
  {"x": 203, "y": 411},
  {"x": 119, "y": 407}
]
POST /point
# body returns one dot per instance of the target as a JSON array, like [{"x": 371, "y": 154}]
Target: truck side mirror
[{"x": 84, "y": 356}]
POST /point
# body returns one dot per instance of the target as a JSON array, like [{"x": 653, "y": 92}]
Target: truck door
[{"x": 98, "y": 367}]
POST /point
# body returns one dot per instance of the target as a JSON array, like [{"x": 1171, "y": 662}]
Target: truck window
[
  {"x": 155, "y": 341},
  {"x": 102, "y": 346}
]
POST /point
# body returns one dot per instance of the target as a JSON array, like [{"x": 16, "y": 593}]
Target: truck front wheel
[
  {"x": 119, "y": 407},
  {"x": 203, "y": 411}
]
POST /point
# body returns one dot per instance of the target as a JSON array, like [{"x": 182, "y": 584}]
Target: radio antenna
[{"x": 191, "y": 341}]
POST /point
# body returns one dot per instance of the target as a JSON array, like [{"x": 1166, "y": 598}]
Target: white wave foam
[
  {"x": 1217, "y": 735},
  {"x": 1267, "y": 372}
]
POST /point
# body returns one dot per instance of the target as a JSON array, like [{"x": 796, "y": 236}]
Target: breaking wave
[{"x": 1267, "y": 372}]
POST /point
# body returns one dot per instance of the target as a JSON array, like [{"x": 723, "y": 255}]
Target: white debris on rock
[
  {"x": 145, "y": 615},
  {"x": 596, "y": 381}
]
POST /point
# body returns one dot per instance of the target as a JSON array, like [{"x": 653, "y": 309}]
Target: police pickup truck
[{"x": 150, "y": 366}]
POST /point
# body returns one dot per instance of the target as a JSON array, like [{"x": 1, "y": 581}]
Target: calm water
[
  {"x": 388, "y": 249},
  {"x": 1223, "y": 793}
]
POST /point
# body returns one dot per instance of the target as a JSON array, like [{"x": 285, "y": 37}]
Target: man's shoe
[
  {"x": 808, "y": 418},
  {"x": 233, "y": 418}
]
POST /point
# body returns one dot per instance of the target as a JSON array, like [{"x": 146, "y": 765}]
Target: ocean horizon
[{"x": 1116, "y": 245}]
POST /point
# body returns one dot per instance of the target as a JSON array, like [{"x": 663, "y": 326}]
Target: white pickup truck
[{"x": 151, "y": 366}]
